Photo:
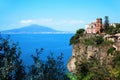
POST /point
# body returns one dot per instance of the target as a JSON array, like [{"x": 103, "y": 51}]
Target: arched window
[{"x": 91, "y": 26}]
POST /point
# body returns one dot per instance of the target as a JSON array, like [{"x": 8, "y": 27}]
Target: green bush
[
  {"x": 80, "y": 32},
  {"x": 113, "y": 30},
  {"x": 98, "y": 40},
  {"x": 89, "y": 41},
  {"x": 75, "y": 39},
  {"x": 110, "y": 50}
]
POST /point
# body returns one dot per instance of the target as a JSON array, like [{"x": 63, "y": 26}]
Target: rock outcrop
[{"x": 81, "y": 50}]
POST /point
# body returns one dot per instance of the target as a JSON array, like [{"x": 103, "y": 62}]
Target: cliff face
[
  {"x": 77, "y": 50},
  {"x": 81, "y": 51}
]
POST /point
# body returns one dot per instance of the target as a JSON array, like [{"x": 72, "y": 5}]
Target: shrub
[
  {"x": 110, "y": 50},
  {"x": 51, "y": 69},
  {"x": 89, "y": 41},
  {"x": 11, "y": 67},
  {"x": 75, "y": 39},
  {"x": 98, "y": 40}
]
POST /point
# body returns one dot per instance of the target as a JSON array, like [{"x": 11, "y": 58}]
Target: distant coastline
[
  {"x": 34, "y": 29},
  {"x": 37, "y": 33}
]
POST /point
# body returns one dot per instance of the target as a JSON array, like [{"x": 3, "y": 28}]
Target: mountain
[{"x": 34, "y": 28}]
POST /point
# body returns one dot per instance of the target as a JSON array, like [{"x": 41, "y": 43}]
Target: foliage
[
  {"x": 115, "y": 70},
  {"x": 51, "y": 69},
  {"x": 75, "y": 39},
  {"x": 107, "y": 42},
  {"x": 84, "y": 71},
  {"x": 110, "y": 50},
  {"x": 89, "y": 41},
  {"x": 98, "y": 40},
  {"x": 80, "y": 32},
  {"x": 71, "y": 76},
  {"x": 11, "y": 67},
  {"x": 94, "y": 69},
  {"x": 106, "y": 23},
  {"x": 118, "y": 28},
  {"x": 113, "y": 30}
]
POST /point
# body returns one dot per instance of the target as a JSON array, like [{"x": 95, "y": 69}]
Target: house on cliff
[{"x": 94, "y": 27}]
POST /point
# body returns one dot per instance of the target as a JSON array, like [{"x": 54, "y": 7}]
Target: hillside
[{"x": 95, "y": 56}]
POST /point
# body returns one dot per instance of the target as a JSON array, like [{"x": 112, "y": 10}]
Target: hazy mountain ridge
[{"x": 32, "y": 29}]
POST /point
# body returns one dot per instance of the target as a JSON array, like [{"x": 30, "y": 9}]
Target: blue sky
[{"x": 65, "y": 15}]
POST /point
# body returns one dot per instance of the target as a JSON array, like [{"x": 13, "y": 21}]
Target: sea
[{"x": 51, "y": 43}]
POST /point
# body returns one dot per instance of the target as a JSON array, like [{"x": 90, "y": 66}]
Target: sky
[{"x": 64, "y": 15}]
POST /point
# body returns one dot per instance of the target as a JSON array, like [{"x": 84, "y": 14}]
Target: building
[
  {"x": 94, "y": 27},
  {"x": 114, "y": 24}
]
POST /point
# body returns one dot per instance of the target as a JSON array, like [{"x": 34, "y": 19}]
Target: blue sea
[{"x": 55, "y": 43}]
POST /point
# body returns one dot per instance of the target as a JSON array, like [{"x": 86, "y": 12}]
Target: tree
[
  {"x": 114, "y": 70},
  {"x": 112, "y": 30},
  {"x": 51, "y": 69},
  {"x": 106, "y": 23},
  {"x": 80, "y": 32},
  {"x": 75, "y": 39},
  {"x": 11, "y": 67},
  {"x": 98, "y": 40}
]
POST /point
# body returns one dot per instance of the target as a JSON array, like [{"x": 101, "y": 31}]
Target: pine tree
[{"x": 106, "y": 23}]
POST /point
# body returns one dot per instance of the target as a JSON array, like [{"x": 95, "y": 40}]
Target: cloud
[
  {"x": 60, "y": 24},
  {"x": 73, "y": 22},
  {"x": 36, "y": 21},
  {"x": 51, "y": 21},
  {"x": 26, "y": 21}
]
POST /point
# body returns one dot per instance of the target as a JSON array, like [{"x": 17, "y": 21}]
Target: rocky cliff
[{"x": 90, "y": 45}]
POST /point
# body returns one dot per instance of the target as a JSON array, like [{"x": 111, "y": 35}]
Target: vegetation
[
  {"x": 89, "y": 41},
  {"x": 51, "y": 69},
  {"x": 106, "y": 23},
  {"x": 97, "y": 41},
  {"x": 105, "y": 63},
  {"x": 93, "y": 69},
  {"x": 12, "y": 68},
  {"x": 75, "y": 38},
  {"x": 113, "y": 30},
  {"x": 110, "y": 29},
  {"x": 111, "y": 50}
]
